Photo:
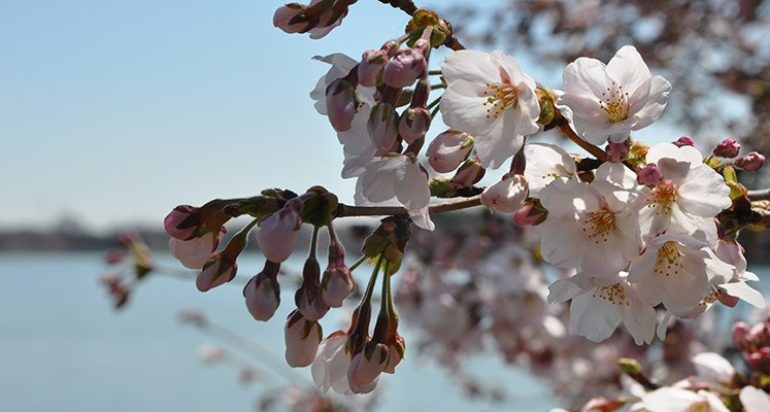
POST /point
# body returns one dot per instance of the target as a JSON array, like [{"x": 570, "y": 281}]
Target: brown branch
[
  {"x": 595, "y": 151},
  {"x": 407, "y": 6},
  {"x": 760, "y": 194},
  {"x": 344, "y": 210}
]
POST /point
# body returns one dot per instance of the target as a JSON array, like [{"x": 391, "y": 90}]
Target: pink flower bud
[
  {"x": 507, "y": 195},
  {"x": 530, "y": 214},
  {"x": 284, "y": 14},
  {"x": 383, "y": 127},
  {"x": 178, "y": 215},
  {"x": 370, "y": 68},
  {"x": 217, "y": 271},
  {"x": 395, "y": 356},
  {"x": 414, "y": 123},
  {"x": 278, "y": 233},
  {"x": 262, "y": 293},
  {"x": 728, "y": 148},
  {"x": 366, "y": 367},
  {"x": 740, "y": 332},
  {"x": 302, "y": 338},
  {"x": 447, "y": 150},
  {"x": 649, "y": 175},
  {"x": 617, "y": 152},
  {"x": 750, "y": 162},
  {"x": 469, "y": 173},
  {"x": 310, "y": 304},
  {"x": 341, "y": 104},
  {"x": 194, "y": 253},
  {"x": 684, "y": 141},
  {"x": 337, "y": 285},
  {"x": 405, "y": 67}
]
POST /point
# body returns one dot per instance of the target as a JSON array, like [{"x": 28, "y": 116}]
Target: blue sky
[{"x": 115, "y": 111}]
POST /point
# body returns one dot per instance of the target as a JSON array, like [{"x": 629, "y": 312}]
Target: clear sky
[{"x": 115, "y": 111}]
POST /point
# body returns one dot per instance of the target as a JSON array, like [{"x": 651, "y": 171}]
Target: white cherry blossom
[
  {"x": 330, "y": 367},
  {"x": 507, "y": 195},
  {"x": 489, "y": 97},
  {"x": 589, "y": 227},
  {"x": 688, "y": 196},
  {"x": 671, "y": 399},
  {"x": 754, "y": 399},
  {"x": 677, "y": 270},
  {"x": 599, "y": 305},
  {"x": 603, "y": 102}
]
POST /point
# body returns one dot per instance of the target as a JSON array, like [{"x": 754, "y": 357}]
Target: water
[{"x": 62, "y": 348}]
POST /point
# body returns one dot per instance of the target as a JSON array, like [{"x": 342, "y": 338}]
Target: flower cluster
[
  {"x": 635, "y": 229},
  {"x": 196, "y": 233},
  {"x": 716, "y": 386}
]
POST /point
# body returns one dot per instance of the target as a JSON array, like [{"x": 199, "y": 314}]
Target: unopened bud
[
  {"x": 447, "y": 150},
  {"x": 370, "y": 68},
  {"x": 396, "y": 355},
  {"x": 750, "y": 162},
  {"x": 684, "y": 141},
  {"x": 405, "y": 67},
  {"x": 302, "y": 338},
  {"x": 285, "y": 14},
  {"x": 178, "y": 215},
  {"x": 649, "y": 175},
  {"x": 383, "y": 127},
  {"x": 262, "y": 293},
  {"x": 194, "y": 253},
  {"x": 531, "y": 213},
  {"x": 366, "y": 366},
  {"x": 469, "y": 174},
  {"x": 507, "y": 195},
  {"x": 617, "y": 152},
  {"x": 341, "y": 104},
  {"x": 219, "y": 270},
  {"x": 740, "y": 333},
  {"x": 414, "y": 123},
  {"x": 728, "y": 148},
  {"x": 278, "y": 233}
]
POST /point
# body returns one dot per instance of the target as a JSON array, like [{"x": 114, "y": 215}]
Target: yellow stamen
[
  {"x": 614, "y": 294},
  {"x": 662, "y": 197},
  {"x": 615, "y": 103},
  {"x": 598, "y": 225},
  {"x": 668, "y": 259}
]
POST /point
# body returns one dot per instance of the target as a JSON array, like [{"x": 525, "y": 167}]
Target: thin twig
[
  {"x": 595, "y": 151},
  {"x": 759, "y": 194},
  {"x": 344, "y": 210}
]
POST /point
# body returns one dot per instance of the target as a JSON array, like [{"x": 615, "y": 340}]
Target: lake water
[{"x": 63, "y": 348}]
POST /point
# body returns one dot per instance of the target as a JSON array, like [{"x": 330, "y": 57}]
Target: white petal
[
  {"x": 628, "y": 69},
  {"x": 594, "y": 318},
  {"x": 754, "y": 399},
  {"x": 562, "y": 290},
  {"x": 704, "y": 193},
  {"x": 648, "y": 110},
  {"x": 745, "y": 292}
]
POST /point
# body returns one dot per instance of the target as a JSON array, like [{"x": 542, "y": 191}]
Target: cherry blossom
[
  {"x": 603, "y": 102},
  {"x": 672, "y": 399},
  {"x": 688, "y": 195},
  {"x": 589, "y": 226},
  {"x": 507, "y": 195},
  {"x": 489, "y": 97},
  {"x": 600, "y": 304},
  {"x": 302, "y": 338},
  {"x": 676, "y": 270}
]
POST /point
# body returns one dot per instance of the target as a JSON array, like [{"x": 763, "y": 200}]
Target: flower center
[
  {"x": 662, "y": 197},
  {"x": 614, "y": 294},
  {"x": 614, "y": 102},
  {"x": 500, "y": 96},
  {"x": 668, "y": 259},
  {"x": 598, "y": 225}
]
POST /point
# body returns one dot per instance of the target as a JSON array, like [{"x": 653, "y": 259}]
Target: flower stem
[
  {"x": 358, "y": 263},
  {"x": 759, "y": 194}
]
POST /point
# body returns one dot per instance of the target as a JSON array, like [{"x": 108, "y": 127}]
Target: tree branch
[
  {"x": 407, "y": 6},
  {"x": 595, "y": 151},
  {"x": 344, "y": 210},
  {"x": 760, "y": 194}
]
